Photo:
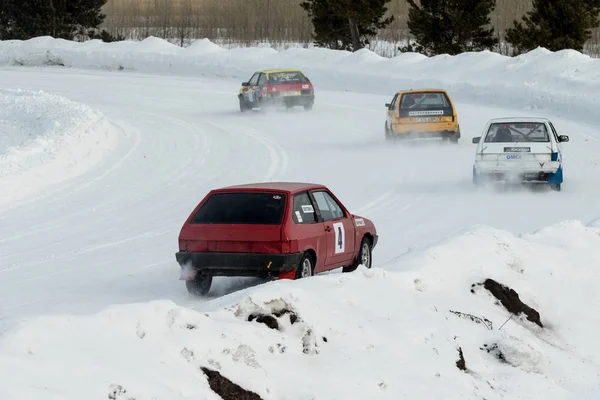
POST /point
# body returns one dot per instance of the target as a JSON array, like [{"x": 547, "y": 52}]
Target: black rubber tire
[
  {"x": 555, "y": 188},
  {"x": 387, "y": 132},
  {"x": 200, "y": 286},
  {"x": 364, "y": 244},
  {"x": 308, "y": 107},
  {"x": 244, "y": 107},
  {"x": 304, "y": 258}
]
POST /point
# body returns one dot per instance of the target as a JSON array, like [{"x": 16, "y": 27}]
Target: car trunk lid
[{"x": 516, "y": 151}]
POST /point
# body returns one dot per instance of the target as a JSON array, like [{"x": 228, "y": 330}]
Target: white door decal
[{"x": 340, "y": 242}]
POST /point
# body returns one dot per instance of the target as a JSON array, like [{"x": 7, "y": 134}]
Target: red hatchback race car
[
  {"x": 280, "y": 87},
  {"x": 271, "y": 230}
]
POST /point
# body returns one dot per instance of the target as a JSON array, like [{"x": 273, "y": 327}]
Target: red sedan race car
[
  {"x": 281, "y": 230},
  {"x": 280, "y": 87}
]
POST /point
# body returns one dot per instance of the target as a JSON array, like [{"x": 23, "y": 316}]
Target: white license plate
[
  {"x": 293, "y": 93},
  {"x": 428, "y": 119}
]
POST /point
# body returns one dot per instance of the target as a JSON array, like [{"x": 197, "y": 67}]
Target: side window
[
  {"x": 554, "y": 131},
  {"x": 303, "y": 211},
  {"x": 262, "y": 80},
  {"x": 328, "y": 207},
  {"x": 394, "y": 101},
  {"x": 254, "y": 80}
]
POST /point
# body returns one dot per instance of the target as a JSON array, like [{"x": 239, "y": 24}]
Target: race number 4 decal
[{"x": 340, "y": 242}]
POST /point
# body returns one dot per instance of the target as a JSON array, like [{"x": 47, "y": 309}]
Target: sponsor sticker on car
[
  {"x": 427, "y": 119},
  {"x": 359, "y": 222},
  {"x": 422, "y": 113},
  {"x": 513, "y": 156},
  {"x": 517, "y": 149}
]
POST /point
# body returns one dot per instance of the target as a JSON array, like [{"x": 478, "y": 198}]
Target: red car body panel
[{"x": 332, "y": 242}]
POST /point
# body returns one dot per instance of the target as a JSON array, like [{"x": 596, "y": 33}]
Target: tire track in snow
[{"x": 278, "y": 156}]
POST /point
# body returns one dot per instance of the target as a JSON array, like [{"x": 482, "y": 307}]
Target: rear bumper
[
  {"x": 301, "y": 100},
  {"x": 427, "y": 129},
  {"x": 508, "y": 167},
  {"x": 523, "y": 171},
  {"x": 237, "y": 264}
]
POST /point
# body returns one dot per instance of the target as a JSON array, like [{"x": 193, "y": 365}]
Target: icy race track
[{"x": 108, "y": 236}]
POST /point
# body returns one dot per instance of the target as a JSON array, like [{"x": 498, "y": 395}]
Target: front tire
[
  {"x": 200, "y": 285},
  {"x": 365, "y": 256}
]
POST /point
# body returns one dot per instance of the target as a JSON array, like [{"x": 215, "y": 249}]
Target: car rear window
[
  {"x": 242, "y": 208},
  {"x": 425, "y": 103},
  {"x": 517, "y": 132},
  {"x": 285, "y": 78}
]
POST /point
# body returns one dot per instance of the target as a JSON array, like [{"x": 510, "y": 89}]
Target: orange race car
[{"x": 424, "y": 113}]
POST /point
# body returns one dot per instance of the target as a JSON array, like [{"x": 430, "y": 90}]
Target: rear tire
[
  {"x": 306, "y": 267},
  {"x": 365, "y": 256},
  {"x": 308, "y": 107},
  {"x": 200, "y": 285},
  {"x": 555, "y": 188}
]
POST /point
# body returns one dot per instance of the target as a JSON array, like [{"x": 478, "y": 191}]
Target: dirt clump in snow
[
  {"x": 511, "y": 301},
  {"x": 461, "y": 363},
  {"x": 227, "y": 389},
  {"x": 272, "y": 319}
]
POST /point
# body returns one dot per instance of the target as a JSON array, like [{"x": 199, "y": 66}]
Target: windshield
[
  {"x": 286, "y": 78},
  {"x": 425, "y": 103},
  {"x": 517, "y": 132},
  {"x": 242, "y": 208}
]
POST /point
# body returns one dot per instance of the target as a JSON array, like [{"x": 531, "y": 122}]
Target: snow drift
[
  {"x": 46, "y": 139},
  {"x": 427, "y": 327},
  {"x": 566, "y": 80}
]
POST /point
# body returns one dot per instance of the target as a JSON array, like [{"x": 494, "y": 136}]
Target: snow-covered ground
[{"x": 107, "y": 234}]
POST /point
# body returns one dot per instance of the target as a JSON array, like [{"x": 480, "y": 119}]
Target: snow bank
[
  {"x": 567, "y": 80},
  {"x": 372, "y": 334},
  {"x": 45, "y": 140}
]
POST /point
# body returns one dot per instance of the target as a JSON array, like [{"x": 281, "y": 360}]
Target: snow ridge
[
  {"x": 566, "y": 80},
  {"x": 47, "y": 139}
]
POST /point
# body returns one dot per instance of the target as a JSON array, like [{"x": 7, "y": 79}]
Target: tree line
[{"x": 427, "y": 26}]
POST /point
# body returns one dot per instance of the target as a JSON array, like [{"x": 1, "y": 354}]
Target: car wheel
[
  {"x": 244, "y": 107},
  {"x": 308, "y": 107},
  {"x": 556, "y": 187},
  {"x": 386, "y": 130},
  {"x": 199, "y": 286},
  {"x": 306, "y": 267},
  {"x": 365, "y": 256}
]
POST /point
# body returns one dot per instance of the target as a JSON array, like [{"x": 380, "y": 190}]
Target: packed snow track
[{"x": 109, "y": 235}]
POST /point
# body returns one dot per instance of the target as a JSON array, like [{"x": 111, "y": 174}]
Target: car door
[
  {"x": 338, "y": 229},
  {"x": 390, "y": 112},
  {"x": 251, "y": 93},
  {"x": 261, "y": 86},
  {"x": 557, "y": 143},
  {"x": 308, "y": 229}
]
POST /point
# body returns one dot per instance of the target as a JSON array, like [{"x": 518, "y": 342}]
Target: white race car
[{"x": 519, "y": 150}]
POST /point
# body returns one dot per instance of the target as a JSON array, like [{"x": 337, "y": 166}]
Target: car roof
[
  {"x": 421, "y": 90},
  {"x": 518, "y": 119},
  {"x": 288, "y": 187},
  {"x": 273, "y": 71}
]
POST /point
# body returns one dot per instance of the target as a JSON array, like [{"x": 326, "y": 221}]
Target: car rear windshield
[
  {"x": 286, "y": 78},
  {"x": 517, "y": 132},
  {"x": 425, "y": 103},
  {"x": 242, "y": 208}
]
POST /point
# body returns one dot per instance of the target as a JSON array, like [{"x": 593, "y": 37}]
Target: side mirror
[
  {"x": 476, "y": 139},
  {"x": 245, "y": 83},
  {"x": 387, "y": 105},
  {"x": 563, "y": 138}
]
